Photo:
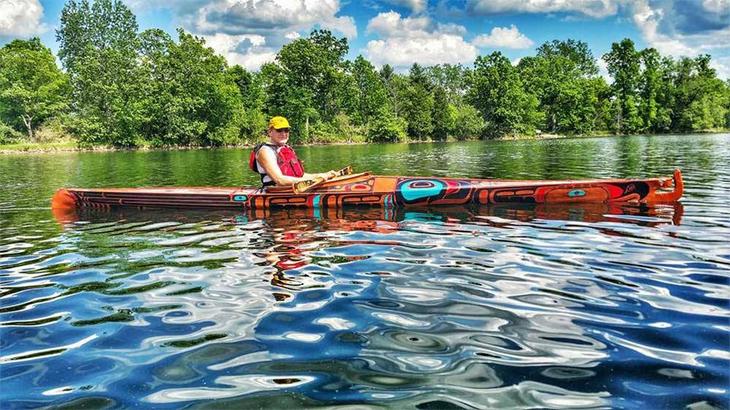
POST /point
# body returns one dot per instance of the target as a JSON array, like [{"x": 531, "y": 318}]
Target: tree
[
  {"x": 368, "y": 89},
  {"x": 452, "y": 78},
  {"x": 624, "y": 66},
  {"x": 32, "y": 88},
  {"x": 192, "y": 99},
  {"x": 468, "y": 122},
  {"x": 443, "y": 115},
  {"x": 98, "y": 48},
  {"x": 312, "y": 71},
  {"x": 496, "y": 90},
  {"x": 559, "y": 77},
  {"x": 650, "y": 84},
  {"x": 385, "y": 127},
  {"x": 252, "y": 95},
  {"x": 418, "y": 104}
]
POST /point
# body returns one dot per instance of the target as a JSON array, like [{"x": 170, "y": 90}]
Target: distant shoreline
[{"x": 70, "y": 146}]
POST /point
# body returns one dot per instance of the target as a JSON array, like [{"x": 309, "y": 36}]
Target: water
[{"x": 546, "y": 307}]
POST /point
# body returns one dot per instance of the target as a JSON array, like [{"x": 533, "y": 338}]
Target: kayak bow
[{"x": 385, "y": 191}]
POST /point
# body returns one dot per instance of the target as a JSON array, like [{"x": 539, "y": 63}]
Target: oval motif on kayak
[
  {"x": 576, "y": 193},
  {"x": 421, "y": 189}
]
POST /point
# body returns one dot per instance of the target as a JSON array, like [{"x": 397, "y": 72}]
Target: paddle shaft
[{"x": 304, "y": 186}]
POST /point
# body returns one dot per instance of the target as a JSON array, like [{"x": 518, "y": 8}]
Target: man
[{"x": 276, "y": 162}]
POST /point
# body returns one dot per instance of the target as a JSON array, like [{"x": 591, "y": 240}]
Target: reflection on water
[{"x": 511, "y": 306}]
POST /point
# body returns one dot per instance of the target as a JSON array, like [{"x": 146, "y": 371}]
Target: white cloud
[
  {"x": 257, "y": 16},
  {"x": 404, "y": 41},
  {"x": 251, "y": 32},
  {"x": 503, "y": 37},
  {"x": 251, "y": 57},
  {"x": 21, "y": 18},
  {"x": 722, "y": 66},
  {"x": 652, "y": 21},
  {"x": 603, "y": 70},
  {"x": 716, "y": 6},
  {"x": 661, "y": 26},
  {"x": 590, "y": 8},
  {"x": 417, "y": 6}
]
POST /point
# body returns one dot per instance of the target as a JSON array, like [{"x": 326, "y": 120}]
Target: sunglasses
[{"x": 282, "y": 129}]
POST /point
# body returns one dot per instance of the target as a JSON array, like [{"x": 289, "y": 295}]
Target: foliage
[
  {"x": 418, "y": 104},
  {"x": 443, "y": 115},
  {"x": 385, "y": 127},
  {"x": 563, "y": 77},
  {"x": 190, "y": 98},
  {"x": 624, "y": 66},
  {"x": 468, "y": 122},
  {"x": 496, "y": 90},
  {"x": 368, "y": 91},
  {"x": 8, "y": 134},
  {"x": 32, "y": 88},
  {"x": 125, "y": 88},
  {"x": 98, "y": 48}
]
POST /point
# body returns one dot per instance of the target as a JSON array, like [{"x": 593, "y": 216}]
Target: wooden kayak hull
[{"x": 385, "y": 191}]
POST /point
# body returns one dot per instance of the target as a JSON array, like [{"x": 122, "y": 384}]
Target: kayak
[{"x": 365, "y": 189}]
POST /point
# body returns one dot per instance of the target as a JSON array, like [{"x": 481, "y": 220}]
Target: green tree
[
  {"x": 705, "y": 107},
  {"x": 385, "y": 127},
  {"x": 98, "y": 48},
  {"x": 368, "y": 91},
  {"x": 252, "y": 94},
  {"x": 560, "y": 77},
  {"x": 395, "y": 87},
  {"x": 496, "y": 90},
  {"x": 418, "y": 104},
  {"x": 624, "y": 66},
  {"x": 32, "y": 88},
  {"x": 650, "y": 85},
  {"x": 312, "y": 71},
  {"x": 191, "y": 97},
  {"x": 443, "y": 115},
  {"x": 452, "y": 78},
  {"x": 468, "y": 122}
]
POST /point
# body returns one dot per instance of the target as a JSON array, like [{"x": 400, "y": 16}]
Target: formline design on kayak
[{"x": 365, "y": 189}]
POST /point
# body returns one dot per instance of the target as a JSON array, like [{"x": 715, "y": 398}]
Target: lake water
[{"x": 545, "y": 307}]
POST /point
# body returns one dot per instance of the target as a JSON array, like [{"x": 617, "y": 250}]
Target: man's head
[{"x": 278, "y": 130}]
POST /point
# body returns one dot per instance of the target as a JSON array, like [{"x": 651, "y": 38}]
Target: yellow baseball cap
[{"x": 278, "y": 123}]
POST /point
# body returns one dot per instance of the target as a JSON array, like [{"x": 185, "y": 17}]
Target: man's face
[{"x": 279, "y": 136}]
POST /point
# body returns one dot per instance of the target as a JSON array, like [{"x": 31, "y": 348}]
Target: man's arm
[{"x": 267, "y": 159}]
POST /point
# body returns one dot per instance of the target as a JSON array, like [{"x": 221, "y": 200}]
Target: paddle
[{"x": 304, "y": 186}]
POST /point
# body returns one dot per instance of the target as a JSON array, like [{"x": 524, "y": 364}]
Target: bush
[
  {"x": 469, "y": 123},
  {"x": 340, "y": 130},
  {"x": 386, "y": 128},
  {"x": 53, "y": 130},
  {"x": 8, "y": 135}
]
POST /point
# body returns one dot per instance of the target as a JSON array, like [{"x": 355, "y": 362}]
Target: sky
[{"x": 428, "y": 32}]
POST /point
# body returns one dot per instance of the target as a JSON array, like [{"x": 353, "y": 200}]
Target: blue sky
[{"x": 401, "y": 32}]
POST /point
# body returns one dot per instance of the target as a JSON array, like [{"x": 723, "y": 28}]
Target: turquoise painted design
[
  {"x": 576, "y": 193},
  {"x": 240, "y": 198},
  {"x": 411, "y": 191},
  {"x": 317, "y": 207}
]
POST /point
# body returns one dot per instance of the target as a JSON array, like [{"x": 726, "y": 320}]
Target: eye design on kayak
[{"x": 576, "y": 193}]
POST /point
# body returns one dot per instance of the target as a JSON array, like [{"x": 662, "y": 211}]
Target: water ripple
[{"x": 501, "y": 307}]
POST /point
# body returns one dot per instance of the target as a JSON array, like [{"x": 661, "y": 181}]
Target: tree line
[{"x": 122, "y": 87}]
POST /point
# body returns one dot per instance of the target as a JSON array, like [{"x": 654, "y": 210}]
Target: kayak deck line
[{"x": 388, "y": 191}]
